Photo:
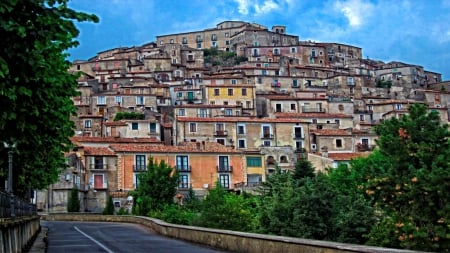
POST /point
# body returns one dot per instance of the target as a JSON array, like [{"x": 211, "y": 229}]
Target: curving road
[{"x": 91, "y": 237}]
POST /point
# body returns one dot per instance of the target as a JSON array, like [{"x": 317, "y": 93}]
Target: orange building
[{"x": 200, "y": 164}]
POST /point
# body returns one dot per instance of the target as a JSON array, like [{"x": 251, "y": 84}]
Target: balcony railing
[
  {"x": 141, "y": 167},
  {"x": 184, "y": 186},
  {"x": 183, "y": 168},
  {"x": 361, "y": 147},
  {"x": 98, "y": 166},
  {"x": 221, "y": 133},
  {"x": 300, "y": 150},
  {"x": 267, "y": 136},
  {"x": 312, "y": 109},
  {"x": 103, "y": 185},
  {"x": 224, "y": 168},
  {"x": 298, "y": 136}
]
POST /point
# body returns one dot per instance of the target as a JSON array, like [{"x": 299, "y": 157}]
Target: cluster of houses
[{"x": 285, "y": 100}]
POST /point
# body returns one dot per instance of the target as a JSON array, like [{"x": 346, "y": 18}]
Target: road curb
[{"x": 40, "y": 243}]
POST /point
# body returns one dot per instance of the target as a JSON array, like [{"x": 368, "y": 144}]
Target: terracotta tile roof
[
  {"x": 115, "y": 123},
  {"x": 84, "y": 139},
  {"x": 98, "y": 151},
  {"x": 331, "y": 132},
  {"x": 310, "y": 115},
  {"x": 186, "y": 147},
  {"x": 347, "y": 156},
  {"x": 240, "y": 119}
]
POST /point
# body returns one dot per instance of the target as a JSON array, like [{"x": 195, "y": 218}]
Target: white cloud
[
  {"x": 265, "y": 7},
  {"x": 356, "y": 11},
  {"x": 243, "y": 6}
]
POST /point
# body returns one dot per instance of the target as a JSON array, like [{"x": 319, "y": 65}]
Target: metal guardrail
[{"x": 11, "y": 206}]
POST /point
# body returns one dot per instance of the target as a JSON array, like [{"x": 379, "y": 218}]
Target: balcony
[
  {"x": 298, "y": 136},
  {"x": 312, "y": 109},
  {"x": 224, "y": 168},
  {"x": 183, "y": 168},
  {"x": 362, "y": 147},
  {"x": 358, "y": 111},
  {"x": 102, "y": 185},
  {"x": 221, "y": 133},
  {"x": 300, "y": 150},
  {"x": 204, "y": 115},
  {"x": 141, "y": 167},
  {"x": 98, "y": 167},
  {"x": 267, "y": 136}
]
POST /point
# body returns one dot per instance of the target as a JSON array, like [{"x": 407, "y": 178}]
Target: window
[
  {"x": 134, "y": 126},
  {"x": 140, "y": 162},
  {"x": 118, "y": 99},
  {"x": 244, "y": 91},
  {"x": 202, "y": 113},
  {"x": 241, "y": 129},
  {"x": 227, "y": 35},
  {"x": 350, "y": 81},
  {"x": 214, "y": 37},
  {"x": 101, "y": 100},
  {"x": 230, "y": 92},
  {"x": 278, "y": 108},
  {"x": 294, "y": 83},
  {"x": 224, "y": 180},
  {"x": 264, "y": 72},
  {"x": 283, "y": 159},
  {"x": 171, "y": 41},
  {"x": 361, "y": 117},
  {"x": 199, "y": 45},
  {"x": 259, "y": 81},
  {"x": 293, "y": 50},
  {"x": 152, "y": 127},
  {"x": 182, "y": 163},
  {"x": 228, "y": 112},
  {"x": 136, "y": 179},
  {"x": 140, "y": 100},
  {"x": 192, "y": 127},
  {"x": 241, "y": 143},
  {"x": 216, "y": 92},
  {"x": 221, "y": 141},
  {"x": 292, "y": 107},
  {"x": 254, "y": 161},
  {"x": 184, "y": 41},
  {"x": 338, "y": 143},
  {"x": 214, "y": 44},
  {"x": 298, "y": 133},
  {"x": 338, "y": 122},
  {"x": 87, "y": 123},
  {"x": 183, "y": 181},
  {"x": 276, "y": 51},
  {"x": 398, "y": 106},
  {"x": 266, "y": 131},
  {"x": 224, "y": 164},
  {"x": 97, "y": 163},
  {"x": 233, "y": 81},
  {"x": 267, "y": 143},
  {"x": 181, "y": 112}
]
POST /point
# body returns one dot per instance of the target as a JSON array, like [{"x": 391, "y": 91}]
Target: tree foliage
[
  {"x": 109, "y": 208},
  {"x": 411, "y": 181},
  {"x": 128, "y": 115},
  {"x": 73, "y": 202},
  {"x": 35, "y": 86},
  {"x": 157, "y": 187}
]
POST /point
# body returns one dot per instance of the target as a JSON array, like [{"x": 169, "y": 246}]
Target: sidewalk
[{"x": 40, "y": 243}]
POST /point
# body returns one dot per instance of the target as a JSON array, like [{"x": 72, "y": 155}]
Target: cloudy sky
[{"x": 411, "y": 31}]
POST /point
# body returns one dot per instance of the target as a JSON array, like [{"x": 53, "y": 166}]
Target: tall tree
[
  {"x": 35, "y": 86},
  {"x": 156, "y": 188},
  {"x": 412, "y": 188},
  {"x": 303, "y": 169}
]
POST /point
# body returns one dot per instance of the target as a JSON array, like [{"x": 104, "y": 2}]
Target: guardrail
[{"x": 11, "y": 206}]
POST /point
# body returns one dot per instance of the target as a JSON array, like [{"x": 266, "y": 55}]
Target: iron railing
[{"x": 11, "y": 206}]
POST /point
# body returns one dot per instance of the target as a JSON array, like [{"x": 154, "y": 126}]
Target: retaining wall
[
  {"x": 229, "y": 240},
  {"x": 17, "y": 234}
]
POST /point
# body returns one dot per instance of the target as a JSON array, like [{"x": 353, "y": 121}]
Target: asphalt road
[{"x": 91, "y": 237}]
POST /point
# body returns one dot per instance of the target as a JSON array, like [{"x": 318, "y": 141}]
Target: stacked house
[{"x": 232, "y": 124}]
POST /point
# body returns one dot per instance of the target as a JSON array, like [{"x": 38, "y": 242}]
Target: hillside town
[{"x": 229, "y": 104}]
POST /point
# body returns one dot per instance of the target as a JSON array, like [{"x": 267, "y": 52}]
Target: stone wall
[
  {"x": 229, "y": 240},
  {"x": 17, "y": 234}
]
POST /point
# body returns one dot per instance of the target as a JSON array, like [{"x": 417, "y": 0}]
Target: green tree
[
  {"x": 224, "y": 210},
  {"x": 36, "y": 88},
  {"x": 109, "y": 208},
  {"x": 276, "y": 204},
  {"x": 128, "y": 115},
  {"x": 156, "y": 188},
  {"x": 73, "y": 202},
  {"x": 411, "y": 189},
  {"x": 303, "y": 169}
]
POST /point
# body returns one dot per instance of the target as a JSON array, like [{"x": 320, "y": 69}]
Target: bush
[
  {"x": 109, "y": 209},
  {"x": 73, "y": 203}
]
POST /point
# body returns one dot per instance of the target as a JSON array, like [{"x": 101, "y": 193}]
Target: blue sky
[{"x": 411, "y": 31}]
